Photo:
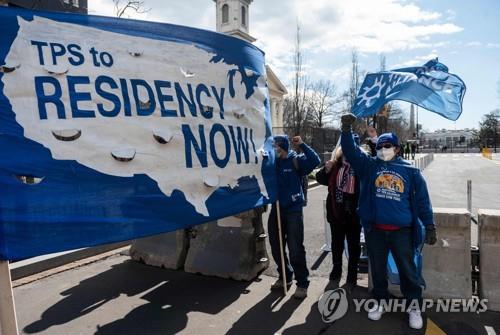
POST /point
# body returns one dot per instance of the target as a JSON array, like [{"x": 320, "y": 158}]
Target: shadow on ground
[
  {"x": 170, "y": 296},
  {"x": 163, "y": 299}
]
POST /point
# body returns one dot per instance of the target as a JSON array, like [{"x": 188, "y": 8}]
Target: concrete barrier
[
  {"x": 165, "y": 250},
  {"x": 489, "y": 257},
  {"x": 233, "y": 247},
  {"x": 423, "y": 161},
  {"x": 447, "y": 264}
]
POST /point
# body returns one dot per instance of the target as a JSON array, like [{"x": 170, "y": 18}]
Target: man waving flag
[{"x": 429, "y": 86}]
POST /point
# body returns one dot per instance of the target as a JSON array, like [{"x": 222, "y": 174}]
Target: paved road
[
  {"x": 117, "y": 296},
  {"x": 447, "y": 179}
]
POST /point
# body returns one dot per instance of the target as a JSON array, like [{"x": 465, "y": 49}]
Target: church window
[
  {"x": 225, "y": 13},
  {"x": 243, "y": 16}
]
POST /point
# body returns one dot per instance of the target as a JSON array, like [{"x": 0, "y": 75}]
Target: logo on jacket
[{"x": 389, "y": 185}]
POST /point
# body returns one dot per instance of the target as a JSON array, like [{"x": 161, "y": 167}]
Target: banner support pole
[
  {"x": 282, "y": 250},
  {"x": 8, "y": 319}
]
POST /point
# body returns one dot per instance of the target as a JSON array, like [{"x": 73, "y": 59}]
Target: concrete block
[
  {"x": 165, "y": 250},
  {"x": 447, "y": 264},
  {"x": 489, "y": 257},
  {"x": 232, "y": 247}
]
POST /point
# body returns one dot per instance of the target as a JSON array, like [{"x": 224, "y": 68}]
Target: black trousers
[{"x": 350, "y": 229}]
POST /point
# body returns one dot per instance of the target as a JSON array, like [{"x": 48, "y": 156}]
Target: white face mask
[{"x": 386, "y": 154}]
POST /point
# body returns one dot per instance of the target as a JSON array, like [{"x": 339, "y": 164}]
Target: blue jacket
[
  {"x": 290, "y": 193},
  {"x": 391, "y": 192}
]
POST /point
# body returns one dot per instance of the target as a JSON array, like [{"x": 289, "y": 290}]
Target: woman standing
[{"x": 341, "y": 205}]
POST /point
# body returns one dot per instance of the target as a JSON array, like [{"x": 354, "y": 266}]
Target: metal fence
[{"x": 322, "y": 140}]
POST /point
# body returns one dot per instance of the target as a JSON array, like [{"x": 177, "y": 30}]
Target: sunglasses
[{"x": 386, "y": 146}]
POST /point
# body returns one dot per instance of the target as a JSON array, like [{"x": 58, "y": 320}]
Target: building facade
[
  {"x": 448, "y": 138},
  {"x": 232, "y": 17},
  {"x": 73, "y": 6}
]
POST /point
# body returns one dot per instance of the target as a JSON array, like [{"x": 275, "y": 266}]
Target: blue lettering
[
  {"x": 44, "y": 99},
  {"x": 75, "y": 97},
  {"x": 39, "y": 46},
  {"x": 162, "y": 98},
  {"x": 240, "y": 144},
  {"x": 209, "y": 112},
  {"x": 181, "y": 98},
  {"x": 108, "y": 96},
  {"x": 201, "y": 151},
  {"x": 144, "y": 108},
  {"x": 56, "y": 50},
  {"x": 218, "y": 128},
  {"x": 220, "y": 100},
  {"x": 126, "y": 98},
  {"x": 74, "y": 50},
  {"x": 253, "y": 146}
]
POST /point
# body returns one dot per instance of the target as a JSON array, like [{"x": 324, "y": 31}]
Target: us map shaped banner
[{"x": 114, "y": 129}]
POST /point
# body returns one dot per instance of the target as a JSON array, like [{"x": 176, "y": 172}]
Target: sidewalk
[{"x": 118, "y": 296}]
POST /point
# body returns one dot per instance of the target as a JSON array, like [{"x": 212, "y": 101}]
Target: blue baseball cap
[
  {"x": 282, "y": 142},
  {"x": 387, "y": 138}
]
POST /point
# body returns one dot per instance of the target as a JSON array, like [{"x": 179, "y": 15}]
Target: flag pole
[
  {"x": 8, "y": 320},
  {"x": 282, "y": 250}
]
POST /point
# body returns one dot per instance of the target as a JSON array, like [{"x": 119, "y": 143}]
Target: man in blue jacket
[
  {"x": 393, "y": 204},
  {"x": 290, "y": 169}
]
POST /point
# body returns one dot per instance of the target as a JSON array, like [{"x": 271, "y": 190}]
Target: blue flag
[
  {"x": 118, "y": 129},
  {"x": 429, "y": 86}
]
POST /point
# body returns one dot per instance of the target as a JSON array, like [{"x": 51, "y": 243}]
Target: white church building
[{"x": 233, "y": 19}]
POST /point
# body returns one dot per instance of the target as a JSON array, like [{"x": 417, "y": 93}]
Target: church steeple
[{"x": 232, "y": 18}]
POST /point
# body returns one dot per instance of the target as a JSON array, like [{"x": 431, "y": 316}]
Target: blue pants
[
  {"x": 292, "y": 226},
  {"x": 400, "y": 243}
]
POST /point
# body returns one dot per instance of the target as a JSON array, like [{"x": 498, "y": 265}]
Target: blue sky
[{"x": 465, "y": 35}]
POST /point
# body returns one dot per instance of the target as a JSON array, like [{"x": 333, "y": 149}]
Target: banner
[
  {"x": 114, "y": 129},
  {"x": 429, "y": 86}
]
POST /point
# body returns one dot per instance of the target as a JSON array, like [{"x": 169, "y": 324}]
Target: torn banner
[{"x": 115, "y": 129}]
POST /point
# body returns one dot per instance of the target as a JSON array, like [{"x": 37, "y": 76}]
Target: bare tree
[
  {"x": 296, "y": 108},
  {"x": 137, "y": 6},
  {"x": 355, "y": 78},
  {"x": 321, "y": 101}
]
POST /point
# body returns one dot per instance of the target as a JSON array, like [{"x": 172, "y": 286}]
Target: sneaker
[
  {"x": 278, "y": 285},
  {"x": 415, "y": 319},
  {"x": 300, "y": 293},
  {"x": 375, "y": 313}
]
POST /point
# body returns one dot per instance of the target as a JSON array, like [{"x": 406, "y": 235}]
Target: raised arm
[
  {"x": 308, "y": 160},
  {"x": 354, "y": 155}
]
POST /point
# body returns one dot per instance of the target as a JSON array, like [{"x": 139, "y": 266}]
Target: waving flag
[
  {"x": 115, "y": 129},
  {"x": 429, "y": 86}
]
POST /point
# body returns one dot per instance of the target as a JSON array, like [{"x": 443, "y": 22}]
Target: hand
[
  {"x": 297, "y": 140},
  {"x": 430, "y": 235},
  {"x": 328, "y": 166},
  {"x": 347, "y": 120}
]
